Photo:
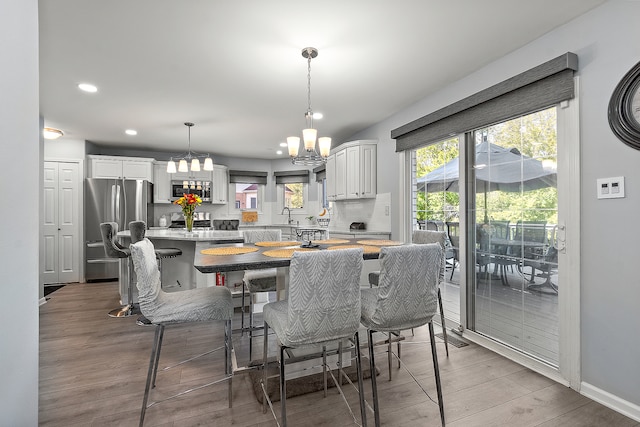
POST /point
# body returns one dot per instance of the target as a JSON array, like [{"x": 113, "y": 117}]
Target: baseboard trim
[
  {"x": 611, "y": 401},
  {"x": 42, "y": 301}
]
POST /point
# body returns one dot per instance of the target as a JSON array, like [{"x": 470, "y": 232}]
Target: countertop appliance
[
  {"x": 201, "y": 220},
  {"x": 201, "y": 188},
  {"x": 112, "y": 200},
  {"x": 357, "y": 226}
]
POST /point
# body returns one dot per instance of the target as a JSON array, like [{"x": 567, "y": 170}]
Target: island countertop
[{"x": 218, "y": 236}]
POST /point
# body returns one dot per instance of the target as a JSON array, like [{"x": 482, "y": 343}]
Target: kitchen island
[{"x": 178, "y": 273}]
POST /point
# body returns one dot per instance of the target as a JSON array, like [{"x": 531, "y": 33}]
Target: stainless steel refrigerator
[{"x": 112, "y": 200}]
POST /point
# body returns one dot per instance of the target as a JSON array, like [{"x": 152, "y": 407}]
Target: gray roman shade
[
  {"x": 535, "y": 89},
  {"x": 321, "y": 173},
  {"x": 247, "y": 177},
  {"x": 292, "y": 177}
]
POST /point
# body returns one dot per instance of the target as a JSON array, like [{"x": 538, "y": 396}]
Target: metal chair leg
[
  {"x": 442, "y": 322},
  {"x": 389, "y": 355},
  {"x": 151, "y": 372},
  {"x": 436, "y": 370},
  {"x": 244, "y": 290},
  {"x": 265, "y": 366},
  {"x": 159, "y": 347},
  {"x": 283, "y": 390},
  {"x": 228, "y": 353},
  {"x": 324, "y": 368},
  {"x": 363, "y": 409},
  {"x": 374, "y": 387}
]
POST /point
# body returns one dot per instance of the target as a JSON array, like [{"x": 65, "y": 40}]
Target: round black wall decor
[{"x": 624, "y": 108}]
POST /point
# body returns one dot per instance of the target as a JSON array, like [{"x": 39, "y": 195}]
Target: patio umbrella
[{"x": 498, "y": 168}]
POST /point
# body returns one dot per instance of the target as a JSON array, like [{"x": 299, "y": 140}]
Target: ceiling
[{"x": 235, "y": 68}]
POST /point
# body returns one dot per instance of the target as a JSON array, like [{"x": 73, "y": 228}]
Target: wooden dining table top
[{"x": 206, "y": 263}]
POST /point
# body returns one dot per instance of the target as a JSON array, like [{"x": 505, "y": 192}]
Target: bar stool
[
  {"x": 137, "y": 230},
  {"x": 113, "y": 249}
]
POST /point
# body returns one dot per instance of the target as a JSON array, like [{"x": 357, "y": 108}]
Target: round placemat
[
  {"x": 234, "y": 250},
  {"x": 330, "y": 241},
  {"x": 366, "y": 249},
  {"x": 380, "y": 242},
  {"x": 284, "y": 253},
  {"x": 277, "y": 243}
]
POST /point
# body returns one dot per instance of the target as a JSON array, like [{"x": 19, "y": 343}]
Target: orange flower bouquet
[{"x": 188, "y": 203}]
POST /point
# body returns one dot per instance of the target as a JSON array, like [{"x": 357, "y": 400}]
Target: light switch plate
[{"x": 610, "y": 188}]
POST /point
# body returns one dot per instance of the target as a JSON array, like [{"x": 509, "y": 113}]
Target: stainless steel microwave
[{"x": 201, "y": 188}]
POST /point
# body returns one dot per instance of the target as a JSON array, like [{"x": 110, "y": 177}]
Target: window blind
[
  {"x": 535, "y": 89},
  {"x": 321, "y": 173},
  {"x": 247, "y": 177},
  {"x": 292, "y": 177}
]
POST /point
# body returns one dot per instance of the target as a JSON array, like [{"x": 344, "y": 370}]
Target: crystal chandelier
[
  {"x": 190, "y": 157},
  {"x": 309, "y": 157}
]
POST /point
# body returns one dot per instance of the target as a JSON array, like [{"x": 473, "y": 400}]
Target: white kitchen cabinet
[
  {"x": 352, "y": 173},
  {"x": 120, "y": 167},
  {"x": 330, "y": 170},
  {"x": 219, "y": 184},
  {"x": 161, "y": 183},
  {"x": 201, "y": 175}
]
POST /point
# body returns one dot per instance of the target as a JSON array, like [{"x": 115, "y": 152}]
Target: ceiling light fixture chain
[
  {"x": 310, "y": 157},
  {"x": 191, "y": 157}
]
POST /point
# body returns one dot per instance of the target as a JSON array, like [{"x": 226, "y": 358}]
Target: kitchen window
[
  {"x": 248, "y": 188},
  {"x": 292, "y": 188}
]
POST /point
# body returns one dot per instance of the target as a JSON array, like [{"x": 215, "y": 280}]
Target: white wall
[
  {"x": 606, "y": 42},
  {"x": 21, "y": 151}
]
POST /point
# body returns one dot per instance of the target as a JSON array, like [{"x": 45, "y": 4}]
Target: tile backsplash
[{"x": 373, "y": 212}]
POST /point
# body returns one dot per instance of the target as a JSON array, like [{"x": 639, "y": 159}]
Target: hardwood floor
[{"x": 93, "y": 369}]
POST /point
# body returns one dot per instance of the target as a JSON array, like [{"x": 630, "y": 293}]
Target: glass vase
[{"x": 188, "y": 221}]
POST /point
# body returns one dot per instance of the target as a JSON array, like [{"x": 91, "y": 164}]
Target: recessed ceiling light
[
  {"x": 87, "y": 87},
  {"x": 283, "y": 144},
  {"x": 52, "y": 133},
  {"x": 317, "y": 116},
  {"x": 279, "y": 152},
  {"x": 131, "y": 132}
]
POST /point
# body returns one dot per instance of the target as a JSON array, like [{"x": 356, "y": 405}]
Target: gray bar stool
[
  {"x": 113, "y": 249},
  {"x": 138, "y": 229}
]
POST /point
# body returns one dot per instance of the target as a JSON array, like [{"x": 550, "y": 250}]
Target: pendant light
[
  {"x": 190, "y": 158},
  {"x": 309, "y": 157}
]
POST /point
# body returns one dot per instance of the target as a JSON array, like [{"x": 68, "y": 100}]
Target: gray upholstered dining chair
[
  {"x": 162, "y": 309},
  {"x": 113, "y": 249},
  {"x": 406, "y": 297},
  {"x": 323, "y": 306},
  {"x": 255, "y": 281}
]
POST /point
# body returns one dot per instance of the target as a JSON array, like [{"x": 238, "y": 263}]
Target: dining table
[
  {"x": 261, "y": 255},
  {"x": 501, "y": 253}
]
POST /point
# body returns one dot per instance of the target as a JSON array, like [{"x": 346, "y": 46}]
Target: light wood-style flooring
[{"x": 93, "y": 369}]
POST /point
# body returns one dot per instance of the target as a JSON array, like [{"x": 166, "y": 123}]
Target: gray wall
[
  {"x": 21, "y": 152},
  {"x": 606, "y": 42}
]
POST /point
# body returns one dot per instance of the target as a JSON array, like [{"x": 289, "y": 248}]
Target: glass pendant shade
[
  {"x": 293, "y": 142},
  {"x": 185, "y": 184},
  {"x": 208, "y": 164},
  {"x": 171, "y": 166},
  {"x": 309, "y": 137},
  {"x": 195, "y": 165},
  {"x": 182, "y": 166},
  {"x": 324, "y": 144}
]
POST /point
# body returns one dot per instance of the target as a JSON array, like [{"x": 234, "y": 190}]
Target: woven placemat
[
  {"x": 229, "y": 250},
  {"x": 366, "y": 249},
  {"x": 277, "y": 243},
  {"x": 380, "y": 242},
  {"x": 330, "y": 241},
  {"x": 284, "y": 253}
]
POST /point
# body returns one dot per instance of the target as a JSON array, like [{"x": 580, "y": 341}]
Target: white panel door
[{"x": 60, "y": 239}]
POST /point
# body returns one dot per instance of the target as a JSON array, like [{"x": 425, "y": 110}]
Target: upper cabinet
[
  {"x": 120, "y": 167},
  {"x": 161, "y": 183},
  {"x": 352, "y": 171},
  {"x": 219, "y": 185}
]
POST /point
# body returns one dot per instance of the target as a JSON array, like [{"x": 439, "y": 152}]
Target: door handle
[{"x": 561, "y": 238}]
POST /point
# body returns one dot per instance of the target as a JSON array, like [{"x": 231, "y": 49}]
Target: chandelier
[
  {"x": 309, "y": 157},
  {"x": 191, "y": 157}
]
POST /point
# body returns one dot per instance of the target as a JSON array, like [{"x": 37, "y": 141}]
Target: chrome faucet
[{"x": 289, "y": 220}]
